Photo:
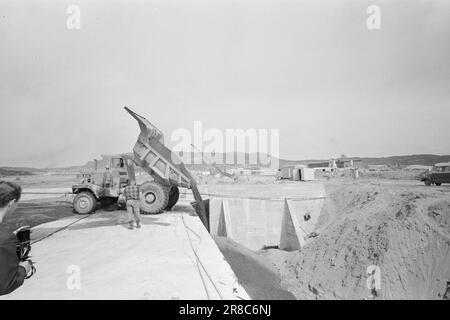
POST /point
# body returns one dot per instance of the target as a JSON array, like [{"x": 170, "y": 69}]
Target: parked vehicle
[
  {"x": 165, "y": 170},
  {"x": 439, "y": 174}
]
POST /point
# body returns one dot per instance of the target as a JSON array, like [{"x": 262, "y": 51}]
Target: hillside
[
  {"x": 393, "y": 161},
  {"x": 5, "y": 172}
]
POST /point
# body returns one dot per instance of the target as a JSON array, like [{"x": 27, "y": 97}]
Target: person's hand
[{"x": 27, "y": 265}]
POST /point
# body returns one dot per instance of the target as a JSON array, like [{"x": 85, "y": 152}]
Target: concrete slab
[{"x": 171, "y": 257}]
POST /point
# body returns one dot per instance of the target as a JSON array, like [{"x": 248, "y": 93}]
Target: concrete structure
[
  {"x": 296, "y": 174},
  {"x": 286, "y": 172},
  {"x": 224, "y": 228},
  {"x": 171, "y": 257},
  {"x": 255, "y": 212},
  {"x": 291, "y": 172},
  {"x": 306, "y": 174},
  {"x": 292, "y": 237}
]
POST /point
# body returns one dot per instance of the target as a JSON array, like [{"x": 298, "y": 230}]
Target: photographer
[{"x": 12, "y": 272}]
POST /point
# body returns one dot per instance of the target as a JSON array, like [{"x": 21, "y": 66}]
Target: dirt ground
[
  {"x": 35, "y": 212},
  {"x": 402, "y": 227}
]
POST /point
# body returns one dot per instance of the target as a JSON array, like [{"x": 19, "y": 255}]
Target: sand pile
[{"x": 403, "y": 231}]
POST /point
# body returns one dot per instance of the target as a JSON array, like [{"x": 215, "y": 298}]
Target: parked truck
[
  {"x": 165, "y": 171},
  {"x": 438, "y": 175}
]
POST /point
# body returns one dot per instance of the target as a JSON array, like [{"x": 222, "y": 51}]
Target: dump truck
[
  {"x": 165, "y": 171},
  {"x": 439, "y": 174}
]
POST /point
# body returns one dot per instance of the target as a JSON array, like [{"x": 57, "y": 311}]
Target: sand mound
[
  {"x": 258, "y": 277},
  {"x": 405, "y": 233}
]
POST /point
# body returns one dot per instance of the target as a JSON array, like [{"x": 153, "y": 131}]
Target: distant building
[
  {"x": 287, "y": 172},
  {"x": 297, "y": 172}
]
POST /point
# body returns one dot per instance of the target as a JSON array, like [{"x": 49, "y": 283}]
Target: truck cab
[
  {"x": 439, "y": 174},
  {"x": 93, "y": 189}
]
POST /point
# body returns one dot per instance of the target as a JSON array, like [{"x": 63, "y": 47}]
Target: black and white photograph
[{"x": 243, "y": 151}]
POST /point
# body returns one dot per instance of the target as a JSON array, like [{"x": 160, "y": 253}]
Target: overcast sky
[{"x": 311, "y": 69}]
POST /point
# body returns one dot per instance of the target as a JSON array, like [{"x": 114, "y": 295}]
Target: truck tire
[
  {"x": 84, "y": 203},
  {"x": 438, "y": 183},
  {"x": 154, "y": 199},
  {"x": 427, "y": 182},
  {"x": 174, "y": 195}
]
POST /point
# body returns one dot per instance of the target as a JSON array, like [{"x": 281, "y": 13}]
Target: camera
[{"x": 23, "y": 246}]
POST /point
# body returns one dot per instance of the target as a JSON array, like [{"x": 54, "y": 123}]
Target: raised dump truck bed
[
  {"x": 159, "y": 193},
  {"x": 165, "y": 167},
  {"x": 154, "y": 157}
]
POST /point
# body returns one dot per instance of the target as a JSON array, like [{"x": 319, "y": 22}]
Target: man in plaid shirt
[{"x": 132, "y": 194}]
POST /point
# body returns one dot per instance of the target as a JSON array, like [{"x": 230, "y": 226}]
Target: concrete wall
[{"x": 255, "y": 223}]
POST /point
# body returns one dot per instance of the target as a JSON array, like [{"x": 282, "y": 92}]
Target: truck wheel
[
  {"x": 84, "y": 203},
  {"x": 154, "y": 199},
  {"x": 427, "y": 182},
  {"x": 174, "y": 195},
  {"x": 438, "y": 183}
]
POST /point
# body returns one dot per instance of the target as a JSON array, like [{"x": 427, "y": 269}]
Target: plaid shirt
[{"x": 131, "y": 192}]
